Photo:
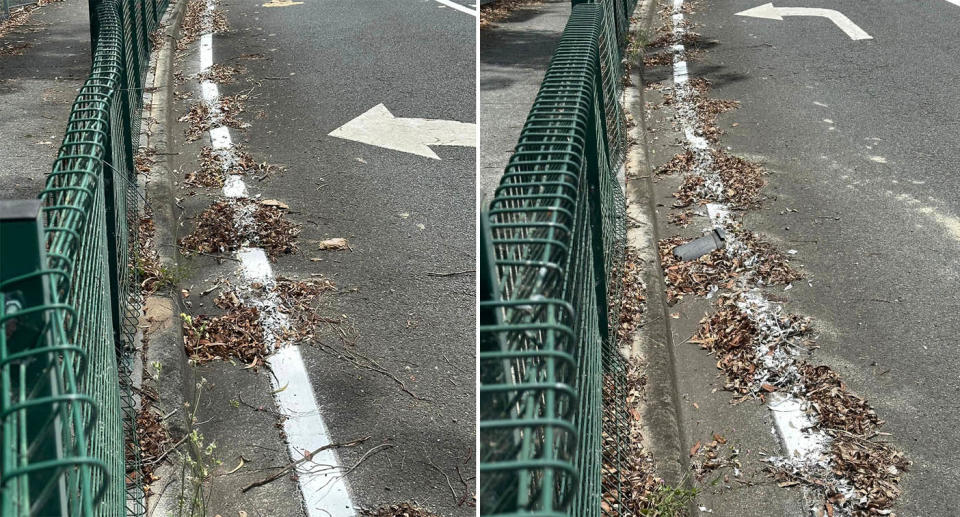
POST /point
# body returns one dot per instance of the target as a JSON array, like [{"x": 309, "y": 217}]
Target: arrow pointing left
[
  {"x": 409, "y": 135},
  {"x": 772, "y": 12}
]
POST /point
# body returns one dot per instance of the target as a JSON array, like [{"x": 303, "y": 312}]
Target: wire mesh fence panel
[
  {"x": 68, "y": 413},
  {"x": 551, "y": 245}
]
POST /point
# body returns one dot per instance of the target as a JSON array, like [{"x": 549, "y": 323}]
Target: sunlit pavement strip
[
  {"x": 324, "y": 490},
  {"x": 804, "y": 447}
]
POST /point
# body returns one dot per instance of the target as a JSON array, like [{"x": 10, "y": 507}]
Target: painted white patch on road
[
  {"x": 254, "y": 265},
  {"x": 209, "y": 92},
  {"x": 458, "y": 7},
  {"x": 878, "y": 159},
  {"x": 206, "y": 52},
  {"x": 233, "y": 186},
  {"x": 220, "y": 138},
  {"x": 770, "y": 12},
  {"x": 409, "y": 135},
  {"x": 794, "y": 426}
]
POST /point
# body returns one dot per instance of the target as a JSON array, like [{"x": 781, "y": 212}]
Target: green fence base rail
[
  {"x": 551, "y": 248},
  {"x": 71, "y": 298}
]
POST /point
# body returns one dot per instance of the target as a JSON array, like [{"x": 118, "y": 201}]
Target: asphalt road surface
[
  {"x": 407, "y": 284},
  {"x": 861, "y": 139}
]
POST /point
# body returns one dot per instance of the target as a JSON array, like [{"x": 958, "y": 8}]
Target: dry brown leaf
[{"x": 338, "y": 243}]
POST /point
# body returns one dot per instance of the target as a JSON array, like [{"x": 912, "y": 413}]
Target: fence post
[{"x": 24, "y": 290}]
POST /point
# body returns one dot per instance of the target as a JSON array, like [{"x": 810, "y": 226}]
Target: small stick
[
  {"x": 292, "y": 465},
  {"x": 159, "y": 458},
  {"x": 464, "y": 272},
  {"x": 449, "y": 484}
]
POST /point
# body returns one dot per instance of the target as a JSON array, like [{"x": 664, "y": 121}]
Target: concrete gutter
[
  {"x": 160, "y": 320},
  {"x": 652, "y": 342}
]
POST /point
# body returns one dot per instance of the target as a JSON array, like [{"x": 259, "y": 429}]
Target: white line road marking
[
  {"x": 409, "y": 135},
  {"x": 795, "y": 427},
  {"x": 770, "y": 12},
  {"x": 206, "y": 51},
  {"x": 458, "y": 7},
  {"x": 324, "y": 490},
  {"x": 281, "y": 3},
  {"x": 220, "y": 138},
  {"x": 234, "y": 187},
  {"x": 955, "y": 2},
  {"x": 210, "y": 92}
]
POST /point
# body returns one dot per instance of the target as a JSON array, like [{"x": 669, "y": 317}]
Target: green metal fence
[
  {"x": 551, "y": 246},
  {"x": 71, "y": 299}
]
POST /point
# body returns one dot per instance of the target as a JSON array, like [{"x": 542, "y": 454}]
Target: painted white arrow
[
  {"x": 409, "y": 135},
  {"x": 777, "y": 13}
]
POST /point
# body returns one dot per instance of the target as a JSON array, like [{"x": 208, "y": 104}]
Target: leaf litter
[
  {"x": 215, "y": 165},
  {"x": 720, "y": 269},
  {"x": 763, "y": 354},
  {"x": 628, "y": 473},
  {"x": 195, "y": 22},
  {"x": 630, "y": 486},
  {"x": 202, "y": 117},
  {"x": 152, "y": 439},
  {"x": 147, "y": 260},
  {"x": 222, "y": 74},
  {"x": 742, "y": 180},
  {"x": 498, "y": 10},
  {"x": 716, "y": 454},
  {"x": 238, "y": 333},
  {"x": 19, "y": 16},
  {"x": 398, "y": 510},
  {"x": 229, "y": 225}
]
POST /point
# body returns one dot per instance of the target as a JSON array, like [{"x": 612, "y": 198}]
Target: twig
[
  {"x": 168, "y": 415},
  {"x": 455, "y": 273},
  {"x": 260, "y": 409},
  {"x": 212, "y": 289},
  {"x": 466, "y": 488},
  {"x": 293, "y": 464},
  {"x": 367, "y": 455},
  {"x": 164, "y": 454},
  {"x": 449, "y": 484},
  {"x": 373, "y": 366}
]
